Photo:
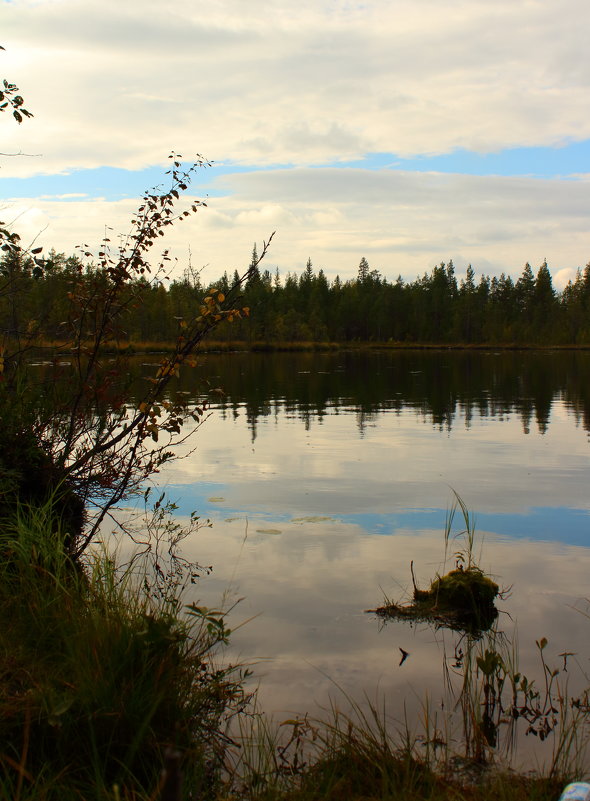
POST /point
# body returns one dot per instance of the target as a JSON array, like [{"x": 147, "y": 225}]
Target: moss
[
  {"x": 465, "y": 590},
  {"x": 461, "y": 599}
]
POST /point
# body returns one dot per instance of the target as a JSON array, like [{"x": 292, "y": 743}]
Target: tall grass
[
  {"x": 464, "y": 556},
  {"x": 100, "y": 679},
  {"x": 363, "y": 755}
]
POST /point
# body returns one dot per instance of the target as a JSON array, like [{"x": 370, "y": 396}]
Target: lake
[{"x": 325, "y": 475}]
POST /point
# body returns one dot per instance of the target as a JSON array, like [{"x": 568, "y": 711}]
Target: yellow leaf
[
  {"x": 220, "y": 297},
  {"x": 165, "y": 368}
]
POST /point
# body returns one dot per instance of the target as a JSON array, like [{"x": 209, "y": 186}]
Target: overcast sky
[{"x": 406, "y": 131}]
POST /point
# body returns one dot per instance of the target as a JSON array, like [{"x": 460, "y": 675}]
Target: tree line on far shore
[{"x": 434, "y": 308}]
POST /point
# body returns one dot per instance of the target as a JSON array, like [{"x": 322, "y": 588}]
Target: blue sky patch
[
  {"x": 112, "y": 183},
  {"x": 539, "y": 162},
  {"x": 544, "y": 524}
]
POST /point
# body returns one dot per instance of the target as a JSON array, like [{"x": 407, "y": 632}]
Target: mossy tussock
[{"x": 462, "y": 599}]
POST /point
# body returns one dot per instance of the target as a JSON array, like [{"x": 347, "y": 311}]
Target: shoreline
[{"x": 215, "y": 346}]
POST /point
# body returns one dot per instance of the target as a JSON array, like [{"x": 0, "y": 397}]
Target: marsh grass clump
[
  {"x": 364, "y": 755},
  {"x": 100, "y": 678},
  {"x": 463, "y": 598},
  {"x": 340, "y": 757}
]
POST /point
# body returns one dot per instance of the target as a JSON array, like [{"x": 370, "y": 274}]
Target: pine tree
[
  {"x": 525, "y": 288},
  {"x": 363, "y": 271},
  {"x": 254, "y": 277}
]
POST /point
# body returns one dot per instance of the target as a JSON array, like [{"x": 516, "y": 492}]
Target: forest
[{"x": 436, "y": 308}]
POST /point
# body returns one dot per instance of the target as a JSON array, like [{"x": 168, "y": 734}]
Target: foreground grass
[
  {"x": 102, "y": 682},
  {"x": 358, "y": 759}
]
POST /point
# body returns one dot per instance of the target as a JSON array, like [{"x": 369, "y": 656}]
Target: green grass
[
  {"x": 99, "y": 679},
  {"x": 362, "y": 756}
]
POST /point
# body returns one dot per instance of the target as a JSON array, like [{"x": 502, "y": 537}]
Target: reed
[{"x": 363, "y": 755}]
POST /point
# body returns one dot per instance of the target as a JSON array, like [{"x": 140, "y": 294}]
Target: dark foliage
[{"x": 434, "y": 308}]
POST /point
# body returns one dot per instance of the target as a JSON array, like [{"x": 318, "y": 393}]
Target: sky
[{"x": 408, "y": 132}]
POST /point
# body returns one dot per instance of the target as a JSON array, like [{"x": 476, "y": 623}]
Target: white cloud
[
  {"x": 120, "y": 84},
  {"x": 402, "y": 222},
  {"x": 562, "y": 277}
]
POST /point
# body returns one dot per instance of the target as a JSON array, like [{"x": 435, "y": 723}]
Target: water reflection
[
  {"x": 442, "y": 387},
  {"x": 305, "y": 586},
  {"x": 325, "y": 475}
]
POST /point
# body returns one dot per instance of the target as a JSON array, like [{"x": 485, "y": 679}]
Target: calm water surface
[{"x": 325, "y": 475}]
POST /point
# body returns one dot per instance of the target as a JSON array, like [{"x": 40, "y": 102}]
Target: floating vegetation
[
  {"x": 269, "y": 531},
  {"x": 311, "y": 519},
  {"x": 216, "y": 499},
  {"x": 462, "y": 599}
]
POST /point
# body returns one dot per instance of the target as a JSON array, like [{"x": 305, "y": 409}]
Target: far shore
[{"x": 217, "y": 346}]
